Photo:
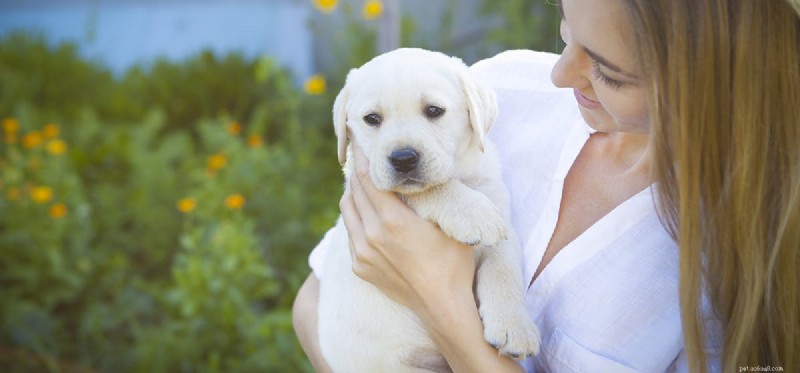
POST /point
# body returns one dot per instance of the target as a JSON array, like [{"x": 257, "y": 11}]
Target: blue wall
[{"x": 121, "y": 33}]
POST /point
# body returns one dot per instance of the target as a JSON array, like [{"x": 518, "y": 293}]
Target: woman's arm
[
  {"x": 304, "y": 320},
  {"x": 417, "y": 265},
  {"x": 457, "y": 330}
]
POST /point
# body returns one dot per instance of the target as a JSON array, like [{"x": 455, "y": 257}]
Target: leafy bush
[
  {"x": 231, "y": 86},
  {"x": 133, "y": 245},
  {"x": 527, "y": 24},
  {"x": 56, "y": 79}
]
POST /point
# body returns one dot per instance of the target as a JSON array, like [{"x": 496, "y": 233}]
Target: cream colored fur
[{"x": 457, "y": 185}]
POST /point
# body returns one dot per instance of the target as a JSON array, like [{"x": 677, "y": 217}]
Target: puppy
[{"x": 421, "y": 120}]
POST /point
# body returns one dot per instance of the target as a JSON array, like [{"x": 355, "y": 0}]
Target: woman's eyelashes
[{"x": 610, "y": 82}]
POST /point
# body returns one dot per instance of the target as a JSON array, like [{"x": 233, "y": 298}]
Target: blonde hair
[
  {"x": 724, "y": 84},
  {"x": 796, "y": 5}
]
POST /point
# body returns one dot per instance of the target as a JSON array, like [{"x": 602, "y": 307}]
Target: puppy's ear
[
  {"x": 481, "y": 105},
  {"x": 340, "y": 120}
]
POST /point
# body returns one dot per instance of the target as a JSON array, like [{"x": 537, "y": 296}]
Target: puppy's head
[{"x": 418, "y": 115}]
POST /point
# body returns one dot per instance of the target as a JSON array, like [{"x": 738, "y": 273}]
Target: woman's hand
[{"x": 408, "y": 258}]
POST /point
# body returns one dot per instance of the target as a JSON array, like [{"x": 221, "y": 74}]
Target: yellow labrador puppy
[{"x": 421, "y": 120}]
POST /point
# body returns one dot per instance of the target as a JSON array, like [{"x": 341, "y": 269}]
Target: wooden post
[{"x": 389, "y": 29}]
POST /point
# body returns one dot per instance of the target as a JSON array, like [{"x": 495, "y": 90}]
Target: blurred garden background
[{"x": 166, "y": 167}]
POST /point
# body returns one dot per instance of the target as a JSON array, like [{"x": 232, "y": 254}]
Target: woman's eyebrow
[{"x": 600, "y": 59}]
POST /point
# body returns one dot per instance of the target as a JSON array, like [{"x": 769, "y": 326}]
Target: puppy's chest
[{"x": 430, "y": 203}]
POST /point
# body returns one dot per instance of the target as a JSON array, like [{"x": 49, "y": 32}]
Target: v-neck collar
[{"x": 589, "y": 242}]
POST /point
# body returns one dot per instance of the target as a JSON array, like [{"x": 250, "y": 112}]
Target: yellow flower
[
  {"x": 56, "y": 147},
  {"x": 234, "y": 201},
  {"x": 58, "y": 211},
  {"x": 254, "y": 141},
  {"x": 12, "y": 194},
  {"x": 325, "y": 6},
  {"x": 217, "y": 162},
  {"x": 32, "y": 140},
  {"x": 50, "y": 131},
  {"x": 315, "y": 85},
  {"x": 234, "y": 128},
  {"x": 372, "y": 9},
  {"x": 187, "y": 205},
  {"x": 41, "y": 194},
  {"x": 10, "y": 125}
]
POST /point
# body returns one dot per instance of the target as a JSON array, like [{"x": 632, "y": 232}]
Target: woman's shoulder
[
  {"x": 530, "y": 107},
  {"x": 517, "y": 70}
]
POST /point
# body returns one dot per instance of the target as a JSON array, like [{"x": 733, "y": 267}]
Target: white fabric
[{"x": 608, "y": 301}]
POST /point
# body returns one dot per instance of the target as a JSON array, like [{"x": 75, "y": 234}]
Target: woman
[{"x": 693, "y": 104}]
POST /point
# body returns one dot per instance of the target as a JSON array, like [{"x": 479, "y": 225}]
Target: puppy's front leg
[
  {"x": 461, "y": 212},
  {"x": 500, "y": 290},
  {"x": 471, "y": 217}
]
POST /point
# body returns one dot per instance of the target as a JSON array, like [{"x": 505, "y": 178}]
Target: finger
[
  {"x": 350, "y": 215},
  {"x": 380, "y": 201},
  {"x": 361, "y": 162},
  {"x": 361, "y": 202},
  {"x": 356, "y": 239}
]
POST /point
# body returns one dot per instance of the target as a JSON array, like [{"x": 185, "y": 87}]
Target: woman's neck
[{"x": 628, "y": 152}]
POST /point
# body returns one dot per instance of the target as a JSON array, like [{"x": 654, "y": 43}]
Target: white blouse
[{"x": 608, "y": 301}]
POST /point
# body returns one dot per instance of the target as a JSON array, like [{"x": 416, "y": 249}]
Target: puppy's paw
[
  {"x": 477, "y": 223},
  {"x": 510, "y": 331}
]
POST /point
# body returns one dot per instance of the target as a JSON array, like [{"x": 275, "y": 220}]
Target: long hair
[{"x": 724, "y": 88}]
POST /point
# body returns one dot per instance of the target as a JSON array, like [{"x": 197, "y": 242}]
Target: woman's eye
[
  {"x": 612, "y": 83},
  {"x": 373, "y": 119},
  {"x": 433, "y": 112}
]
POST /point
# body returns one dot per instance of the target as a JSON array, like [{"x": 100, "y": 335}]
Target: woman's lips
[{"x": 585, "y": 101}]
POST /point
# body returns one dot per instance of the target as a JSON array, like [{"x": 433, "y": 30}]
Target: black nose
[{"x": 404, "y": 160}]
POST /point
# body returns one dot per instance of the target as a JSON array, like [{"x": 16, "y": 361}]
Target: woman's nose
[{"x": 572, "y": 70}]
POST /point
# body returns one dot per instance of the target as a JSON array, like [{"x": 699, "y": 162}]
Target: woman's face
[{"x": 598, "y": 64}]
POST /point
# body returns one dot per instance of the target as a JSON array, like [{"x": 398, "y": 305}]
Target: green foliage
[
  {"x": 102, "y": 270},
  {"x": 231, "y": 86},
  {"x": 527, "y": 24},
  {"x": 56, "y": 79}
]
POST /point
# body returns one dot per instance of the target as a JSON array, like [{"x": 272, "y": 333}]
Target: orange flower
[
  {"x": 41, "y": 194},
  {"x": 234, "y": 128},
  {"x": 217, "y": 162},
  {"x": 58, "y": 211},
  {"x": 10, "y": 125},
  {"x": 234, "y": 201},
  {"x": 372, "y": 9},
  {"x": 56, "y": 147},
  {"x": 254, "y": 141},
  {"x": 50, "y": 131},
  {"x": 315, "y": 85},
  {"x": 32, "y": 140},
  {"x": 187, "y": 205}
]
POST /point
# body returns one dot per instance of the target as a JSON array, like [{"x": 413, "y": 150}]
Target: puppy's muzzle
[{"x": 404, "y": 161}]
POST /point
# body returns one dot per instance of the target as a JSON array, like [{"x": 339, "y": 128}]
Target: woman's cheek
[{"x": 630, "y": 111}]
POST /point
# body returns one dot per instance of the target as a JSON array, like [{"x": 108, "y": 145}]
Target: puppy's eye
[
  {"x": 433, "y": 112},
  {"x": 373, "y": 119}
]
